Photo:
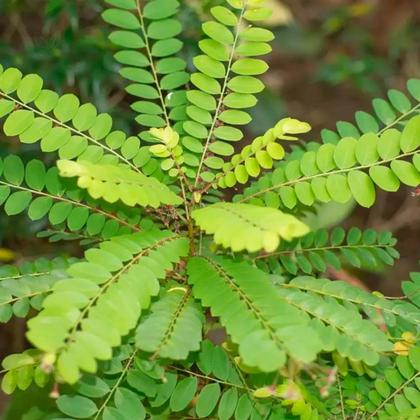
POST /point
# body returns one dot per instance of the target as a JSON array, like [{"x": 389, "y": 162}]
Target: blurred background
[{"x": 330, "y": 59}]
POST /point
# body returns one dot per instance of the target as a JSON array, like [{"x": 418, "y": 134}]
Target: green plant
[{"x": 169, "y": 261}]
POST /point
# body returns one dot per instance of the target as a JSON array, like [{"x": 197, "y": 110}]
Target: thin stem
[
  {"x": 73, "y": 235},
  {"x": 222, "y": 94},
  {"x": 398, "y": 390},
  {"x": 116, "y": 276},
  {"x": 326, "y": 321},
  {"x": 341, "y": 397},
  {"x": 324, "y": 174},
  {"x": 29, "y": 295},
  {"x": 117, "y": 384},
  {"x": 248, "y": 302},
  {"x": 209, "y": 378},
  {"x": 169, "y": 330},
  {"x": 19, "y": 276},
  {"x": 182, "y": 179},
  {"x": 347, "y": 299},
  {"x": 152, "y": 64},
  {"x": 73, "y": 203},
  {"x": 302, "y": 250},
  {"x": 71, "y": 129},
  {"x": 400, "y": 118}
]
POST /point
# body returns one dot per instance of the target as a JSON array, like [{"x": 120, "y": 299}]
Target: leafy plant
[{"x": 124, "y": 332}]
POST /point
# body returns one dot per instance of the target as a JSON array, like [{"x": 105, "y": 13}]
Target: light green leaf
[
  {"x": 244, "y": 226},
  {"x": 345, "y": 153},
  {"x": 362, "y": 188},
  {"x": 406, "y": 172},
  {"x": 29, "y": 88},
  {"x": 410, "y": 138},
  {"x": 384, "y": 178},
  {"x": 218, "y": 32}
]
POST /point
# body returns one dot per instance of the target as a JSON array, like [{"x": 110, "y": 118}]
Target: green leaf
[
  {"x": 126, "y": 39},
  {"x": 227, "y": 404},
  {"x": 218, "y": 32},
  {"x": 338, "y": 188},
  {"x": 76, "y": 406},
  {"x": 202, "y": 100},
  {"x": 17, "y": 202},
  {"x": 29, "y": 88},
  {"x": 239, "y": 100},
  {"x": 118, "y": 183},
  {"x": 410, "y": 138},
  {"x": 406, "y": 172},
  {"x": 128, "y": 404},
  {"x": 164, "y": 332},
  {"x": 121, "y": 18},
  {"x": 413, "y": 86},
  {"x": 13, "y": 169},
  {"x": 39, "y": 207},
  {"x": 249, "y": 67},
  {"x": 389, "y": 144},
  {"x": 206, "y": 83},
  {"x": 399, "y": 101},
  {"x": 221, "y": 148},
  {"x": 344, "y": 154},
  {"x": 166, "y": 47},
  {"x": 414, "y": 357},
  {"x": 10, "y": 80},
  {"x": 263, "y": 341},
  {"x": 384, "y": 178},
  {"x": 214, "y": 49},
  {"x": 257, "y": 34},
  {"x": 160, "y": 9},
  {"x": 67, "y": 107},
  {"x": 183, "y": 394},
  {"x": 366, "y": 122},
  {"x": 18, "y": 122},
  {"x": 244, "y": 408},
  {"x": 244, "y": 226},
  {"x": 245, "y": 84},
  {"x": 362, "y": 188},
  {"x": 209, "y": 66},
  {"x": 366, "y": 149},
  {"x": 228, "y": 133},
  {"x": 224, "y": 15},
  {"x": 384, "y": 111},
  {"x": 164, "y": 29},
  {"x": 207, "y": 400}
]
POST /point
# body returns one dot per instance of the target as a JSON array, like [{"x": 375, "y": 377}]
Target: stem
[
  {"x": 182, "y": 179},
  {"x": 29, "y": 295},
  {"x": 347, "y": 299},
  {"x": 209, "y": 378},
  {"x": 71, "y": 129},
  {"x": 341, "y": 397},
  {"x": 73, "y": 203},
  {"x": 222, "y": 94},
  {"x": 289, "y": 252},
  {"x": 117, "y": 384},
  {"x": 152, "y": 64},
  {"x": 169, "y": 330},
  {"x": 116, "y": 276},
  {"x": 400, "y": 118},
  {"x": 393, "y": 395},
  {"x": 19, "y": 276},
  {"x": 323, "y": 174}
]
